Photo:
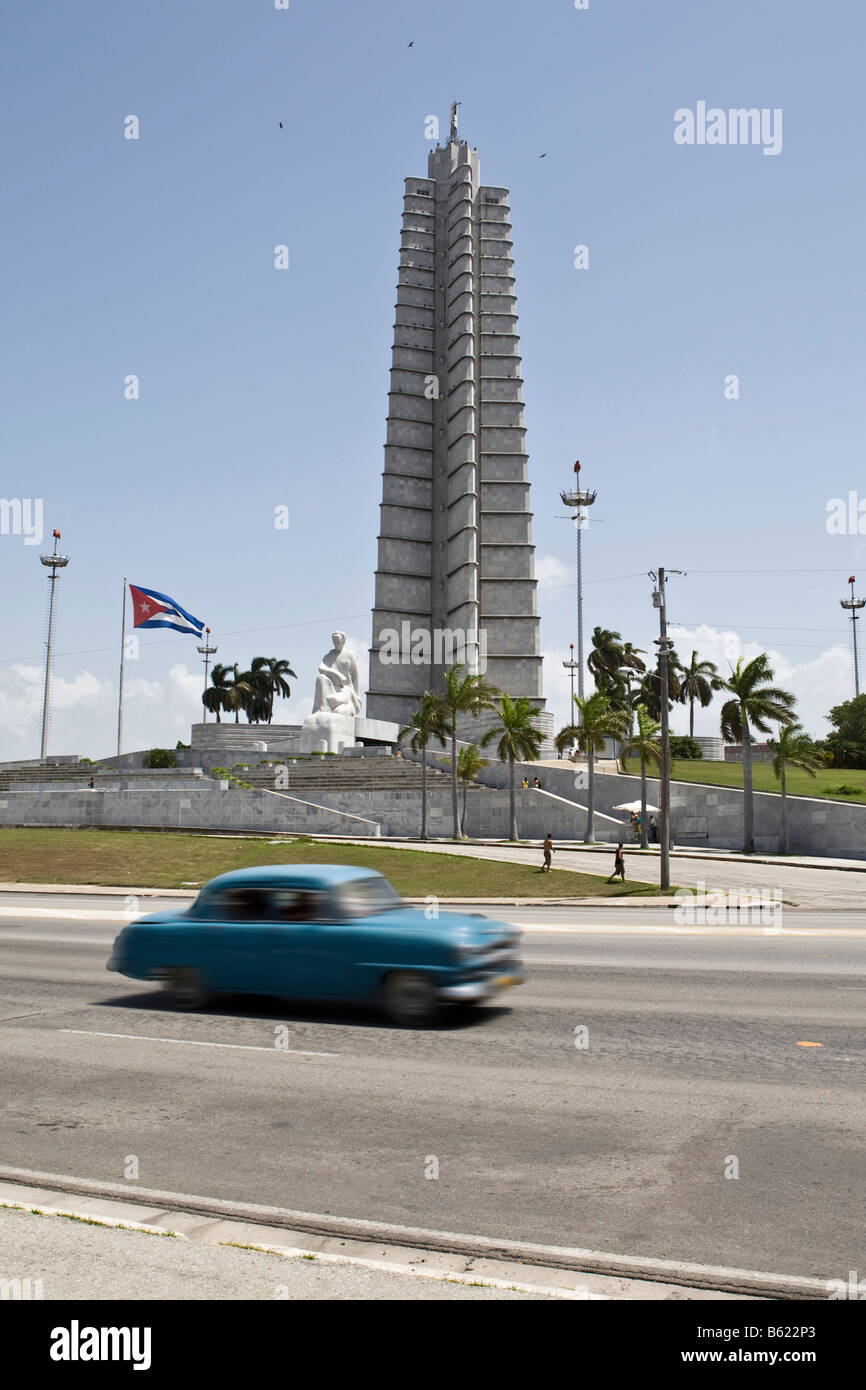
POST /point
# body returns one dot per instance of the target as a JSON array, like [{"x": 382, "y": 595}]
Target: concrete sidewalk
[{"x": 62, "y": 1245}]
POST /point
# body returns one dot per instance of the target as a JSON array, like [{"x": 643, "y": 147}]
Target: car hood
[{"x": 465, "y": 925}]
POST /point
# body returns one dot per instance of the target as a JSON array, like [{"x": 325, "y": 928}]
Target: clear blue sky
[{"x": 261, "y": 388}]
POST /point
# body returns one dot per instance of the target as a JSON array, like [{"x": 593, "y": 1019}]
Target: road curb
[{"x": 721, "y": 1279}]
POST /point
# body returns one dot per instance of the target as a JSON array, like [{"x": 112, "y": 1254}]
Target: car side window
[
  {"x": 241, "y": 905},
  {"x": 296, "y": 905}
]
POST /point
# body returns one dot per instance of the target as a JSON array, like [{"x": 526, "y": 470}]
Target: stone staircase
[{"x": 306, "y": 776}]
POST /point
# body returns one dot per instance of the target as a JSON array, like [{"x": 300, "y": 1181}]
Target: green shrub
[
  {"x": 684, "y": 747},
  {"x": 160, "y": 757}
]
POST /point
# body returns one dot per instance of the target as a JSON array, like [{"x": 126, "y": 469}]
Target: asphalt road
[{"x": 692, "y": 1062}]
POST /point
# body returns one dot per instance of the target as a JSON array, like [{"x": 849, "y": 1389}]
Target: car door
[
  {"x": 305, "y": 957},
  {"x": 233, "y": 939}
]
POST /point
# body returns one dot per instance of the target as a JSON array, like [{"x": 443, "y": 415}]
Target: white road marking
[
  {"x": 192, "y": 1042},
  {"x": 72, "y": 914},
  {"x": 614, "y": 929}
]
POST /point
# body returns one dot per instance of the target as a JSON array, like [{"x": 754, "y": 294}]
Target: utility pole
[
  {"x": 53, "y": 562},
  {"x": 853, "y": 605},
  {"x": 664, "y": 645}
]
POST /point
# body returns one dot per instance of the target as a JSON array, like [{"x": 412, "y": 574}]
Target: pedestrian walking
[
  {"x": 548, "y": 852},
  {"x": 537, "y": 784},
  {"x": 653, "y": 831},
  {"x": 525, "y": 782},
  {"x": 618, "y": 865}
]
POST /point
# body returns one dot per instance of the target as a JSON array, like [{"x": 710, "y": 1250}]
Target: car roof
[{"x": 297, "y": 875}]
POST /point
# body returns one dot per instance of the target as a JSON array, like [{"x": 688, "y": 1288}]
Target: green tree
[
  {"x": 794, "y": 748},
  {"x": 649, "y": 688},
  {"x": 428, "y": 722},
  {"x": 518, "y": 740},
  {"x": 754, "y": 705},
  {"x": 275, "y": 671},
  {"x": 606, "y": 654},
  {"x": 469, "y": 764},
  {"x": 598, "y": 721},
  {"x": 847, "y": 742},
  {"x": 645, "y": 741},
  {"x": 216, "y": 697},
  {"x": 464, "y": 693},
  {"x": 698, "y": 681}
]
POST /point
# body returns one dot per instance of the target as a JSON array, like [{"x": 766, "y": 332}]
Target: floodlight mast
[
  {"x": 580, "y": 500},
  {"x": 853, "y": 606},
  {"x": 53, "y": 563}
]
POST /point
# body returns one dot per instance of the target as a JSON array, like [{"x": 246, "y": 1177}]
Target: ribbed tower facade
[{"x": 455, "y": 544}]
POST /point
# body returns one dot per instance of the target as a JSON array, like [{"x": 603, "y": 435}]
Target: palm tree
[
  {"x": 794, "y": 749},
  {"x": 428, "y": 722},
  {"x": 754, "y": 705},
  {"x": 699, "y": 680},
  {"x": 606, "y": 655},
  {"x": 275, "y": 669},
  {"x": 238, "y": 692},
  {"x": 598, "y": 721},
  {"x": 214, "y": 698},
  {"x": 519, "y": 740},
  {"x": 463, "y": 694},
  {"x": 646, "y": 742},
  {"x": 469, "y": 764},
  {"x": 649, "y": 687}
]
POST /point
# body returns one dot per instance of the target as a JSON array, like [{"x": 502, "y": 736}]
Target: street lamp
[
  {"x": 207, "y": 651},
  {"x": 52, "y": 562},
  {"x": 853, "y": 605}
]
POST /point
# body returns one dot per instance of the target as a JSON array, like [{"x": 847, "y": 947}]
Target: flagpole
[{"x": 120, "y": 683}]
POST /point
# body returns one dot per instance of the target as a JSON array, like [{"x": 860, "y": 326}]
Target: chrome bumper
[{"x": 474, "y": 990}]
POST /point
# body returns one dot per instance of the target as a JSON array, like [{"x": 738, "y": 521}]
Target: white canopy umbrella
[{"x": 634, "y": 806}]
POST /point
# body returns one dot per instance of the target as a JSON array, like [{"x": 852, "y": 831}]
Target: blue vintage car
[{"x": 320, "y": 931}]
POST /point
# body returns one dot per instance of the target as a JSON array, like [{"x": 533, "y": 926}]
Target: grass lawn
[
  {"x": 150, "y": 859},
  {"x": 826, "y": 781}
]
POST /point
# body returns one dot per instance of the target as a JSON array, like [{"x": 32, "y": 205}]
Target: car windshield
[{"x": 362, "y": 897}]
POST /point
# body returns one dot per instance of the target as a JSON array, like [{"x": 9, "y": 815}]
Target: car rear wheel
[
  {"x": 409, "y": 1000},
  {"x": 185, "y": 987}
]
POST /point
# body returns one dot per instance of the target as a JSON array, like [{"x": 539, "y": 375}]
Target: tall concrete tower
[{"x": 455, "y": 544}]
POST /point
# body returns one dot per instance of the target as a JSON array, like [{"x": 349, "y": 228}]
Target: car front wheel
[
  {"x": 409, "y": 1000},
  {"x": 185, "y": 987}
]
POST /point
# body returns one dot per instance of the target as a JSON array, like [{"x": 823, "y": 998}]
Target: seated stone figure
[
  {"x": 336, "y": 702},
  {"x": 337, "y": 680}
]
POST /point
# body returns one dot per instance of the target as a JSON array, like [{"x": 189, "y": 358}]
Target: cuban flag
[{"x": 151, "y": 609}]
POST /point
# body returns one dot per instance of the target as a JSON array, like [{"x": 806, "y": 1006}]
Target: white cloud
[
  {"x": 156, "y": 713},
  {"x": 552, "y": 573},
  {"x": 818, "y": 683}
]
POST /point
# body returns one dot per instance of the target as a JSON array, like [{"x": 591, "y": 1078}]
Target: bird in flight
[
  {"x": 542, "y": 156},
  {"x": 281, "y": 125},
  {"x": 412, "y": 44}
]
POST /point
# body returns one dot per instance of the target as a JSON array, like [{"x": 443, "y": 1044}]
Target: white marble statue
[
  {"x": 337, "y": 680},
  {"x": 336, "y": 703}
]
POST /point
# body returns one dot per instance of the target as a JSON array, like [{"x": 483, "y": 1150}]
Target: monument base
[{"x": 325, "y": 732}]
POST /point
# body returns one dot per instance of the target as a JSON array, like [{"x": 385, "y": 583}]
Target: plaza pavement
[{"x": 801, "y": 882}]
